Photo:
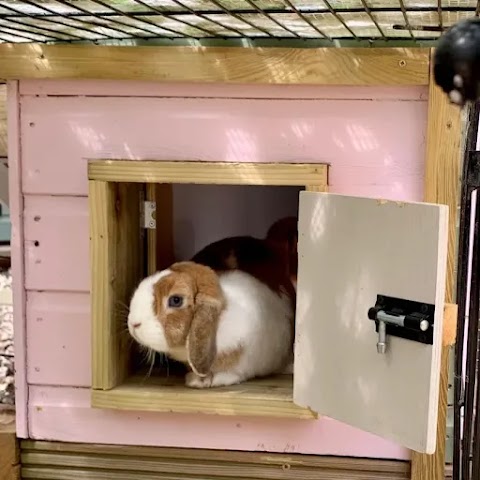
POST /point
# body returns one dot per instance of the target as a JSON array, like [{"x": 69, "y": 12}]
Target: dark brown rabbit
[{"x": 272, "y": 260}]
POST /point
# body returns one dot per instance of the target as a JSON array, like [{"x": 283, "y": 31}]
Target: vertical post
[
  {"x": 442, "y": 170},
  {"x": 17, "y": 253},
  {"x": 160, "y": 249}
]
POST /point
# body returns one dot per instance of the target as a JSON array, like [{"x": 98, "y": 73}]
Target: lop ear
[{"x": 208, "y": 305}]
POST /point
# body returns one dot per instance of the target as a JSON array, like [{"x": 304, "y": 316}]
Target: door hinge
[
  {"x": 148, "y": 215},
  {"x": 402, "y": 318}
]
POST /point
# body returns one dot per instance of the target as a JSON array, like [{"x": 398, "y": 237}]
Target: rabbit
[
  {"x": 227, "y": 326},
  {"x": 274, "y": 260}
]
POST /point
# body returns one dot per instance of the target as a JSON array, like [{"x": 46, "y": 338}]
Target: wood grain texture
[
  {"x": 450, "y": 317},
  {"x": 9, "y": 451},
  {"x": 208, "y": 173},
  {"x": 442, "y": 170},
  {"x": 269, "y": 397},
  {"x": 116, "y": 266},
  {"x": 325, "y": 66},
  {"x": 3, "y": 121},
  {"x": 70, "y": 461}
]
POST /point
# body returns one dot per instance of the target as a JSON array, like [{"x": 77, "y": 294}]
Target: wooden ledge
[
  {"x": 269, "y": 397},
  {"x": 274, "y": 66},
  {"x": 223, "y": 173}
]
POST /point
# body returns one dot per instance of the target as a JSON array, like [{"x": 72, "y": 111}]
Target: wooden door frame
[{"x": 282, "y": 66}]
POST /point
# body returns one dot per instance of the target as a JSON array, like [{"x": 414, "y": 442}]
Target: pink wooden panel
[
  {"x": 16, "y": 244},
  {"x": 58, "y": 339},
  {"x": 64, "y": 414},
  {"x": 110, "y": 88},
  {"x": 56, "y": 245},
  {"x": 376, "y": 148}
]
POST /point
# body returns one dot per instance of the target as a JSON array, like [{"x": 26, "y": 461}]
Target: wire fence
[{"x": 49, "y": 21}]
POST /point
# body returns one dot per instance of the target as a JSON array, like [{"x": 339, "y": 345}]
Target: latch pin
[{"x": 384, "y": 318}]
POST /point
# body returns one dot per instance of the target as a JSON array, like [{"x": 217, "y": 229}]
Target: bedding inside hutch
[{"x": 167, "y": 212}]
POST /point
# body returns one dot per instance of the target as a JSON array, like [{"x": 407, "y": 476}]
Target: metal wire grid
[{"x": 50, "y": 21}]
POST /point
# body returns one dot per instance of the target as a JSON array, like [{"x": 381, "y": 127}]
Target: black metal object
[
  {"x": 414, "y": 314},
  {"x": 104, "y": 20},
  {"x": 468, "y": 299}
]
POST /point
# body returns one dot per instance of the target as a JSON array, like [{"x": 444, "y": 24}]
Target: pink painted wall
[{"x": 373, "y": 138}]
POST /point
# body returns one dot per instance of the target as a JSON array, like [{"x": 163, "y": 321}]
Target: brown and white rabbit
[{"x": 227, "y": 326}]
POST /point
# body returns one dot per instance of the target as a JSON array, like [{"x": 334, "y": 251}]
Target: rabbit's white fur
[
  {"x": 255, "y": 319},
  {"x": 150, "y": 333}
]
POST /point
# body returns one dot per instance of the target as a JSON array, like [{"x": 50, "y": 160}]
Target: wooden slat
[
  {"x": 324, "y": 66},
  {"x": 9, "y": 451},
  {"x": 74, "y": 461},
  {"x": 270, "y": 397},
  {"x": 442, "y": 170},
  {"x": 116, "y": 260},
  {"x": 220, "y": 173}
]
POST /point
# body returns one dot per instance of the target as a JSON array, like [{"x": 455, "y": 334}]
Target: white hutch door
[{"x": 361, "y": 258}]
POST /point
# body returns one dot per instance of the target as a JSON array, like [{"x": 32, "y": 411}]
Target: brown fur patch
[
  {"x": 194, "y": 324},
  {"x": 227, "y": 360}
]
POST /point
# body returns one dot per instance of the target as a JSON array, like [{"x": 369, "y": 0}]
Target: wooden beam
[
  {"x": 116, "y": 259},
  {"x": 311, "y": 66},
  {"x": 442, "y": 185},
  {"x": 207, "y": 173}
]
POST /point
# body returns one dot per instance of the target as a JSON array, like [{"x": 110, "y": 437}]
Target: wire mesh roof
[{"x": 304, "y": 21}]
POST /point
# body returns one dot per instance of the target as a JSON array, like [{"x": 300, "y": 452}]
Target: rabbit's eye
[{"x": 175, "y": 301}]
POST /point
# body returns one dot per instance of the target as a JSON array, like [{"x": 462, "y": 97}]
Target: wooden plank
[
  {"x": 54, "y": 359},
  {"x": 116, "y": 266},
  {"x": 208, "y": 173},
  {"x": 49, "y": 259},
  {"x": 270, "y": 397},
  {"x": 18, "y": 260},
  {"x": 442, "y": 170},
  {"x": 324, "y": 66},
  {"x": 72, "y": 461},
  {"x": 235, "y": 130},
  {"x": 9, "y": 451}
]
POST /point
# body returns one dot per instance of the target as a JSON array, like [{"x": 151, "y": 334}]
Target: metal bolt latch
[{"x": 402, "y": 318}]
